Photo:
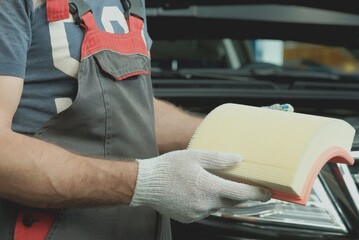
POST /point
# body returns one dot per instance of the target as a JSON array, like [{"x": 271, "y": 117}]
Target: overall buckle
[
  {"x": 78, "y": 8},
  {"x": 126, "y": 4}
]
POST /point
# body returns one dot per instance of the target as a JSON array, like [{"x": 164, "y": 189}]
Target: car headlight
[
  {"x": 320, "y": 213},
  {"x": 355, "y": 169}
]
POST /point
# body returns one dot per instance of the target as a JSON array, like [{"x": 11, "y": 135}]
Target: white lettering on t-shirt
[
  {"x": 62, "y": 104},
  {"x": 60, "y": 49},
  {"x": 110, "y": 14}
]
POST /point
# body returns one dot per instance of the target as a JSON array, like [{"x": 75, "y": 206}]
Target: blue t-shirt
[{"x": 47, "y": 55}]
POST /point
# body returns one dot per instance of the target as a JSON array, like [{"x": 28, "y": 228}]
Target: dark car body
[{"x": 177, "y": 28}]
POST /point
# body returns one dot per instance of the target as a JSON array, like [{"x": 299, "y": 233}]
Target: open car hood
[
  {"x": 343, "y": 6},
  {"x": 315, "y": 21}
]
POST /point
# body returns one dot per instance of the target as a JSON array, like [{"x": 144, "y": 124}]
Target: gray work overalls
[{"x": 111, "y": 118}]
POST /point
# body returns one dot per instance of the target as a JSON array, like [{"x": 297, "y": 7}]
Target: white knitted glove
[{"x": 177, "y": 185}]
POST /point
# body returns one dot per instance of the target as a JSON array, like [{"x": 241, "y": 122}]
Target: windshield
[{"x": 233, "y": 54}]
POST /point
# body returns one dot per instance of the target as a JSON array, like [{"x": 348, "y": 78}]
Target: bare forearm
[
  {"x": 174, "y": 126},
  {"x": 39, "y": 174}
]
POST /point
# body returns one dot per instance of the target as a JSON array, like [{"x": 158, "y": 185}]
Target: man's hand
[{"x": 177, "y": 185}]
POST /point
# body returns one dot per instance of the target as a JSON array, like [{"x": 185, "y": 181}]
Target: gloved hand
[
  {"x": 282, "y": 107},
  {"x": 177, "y": 185}
]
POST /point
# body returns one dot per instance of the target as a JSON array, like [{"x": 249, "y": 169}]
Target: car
[{"x": 207, "y": 52}]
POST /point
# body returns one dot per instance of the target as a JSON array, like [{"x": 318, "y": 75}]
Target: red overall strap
[
  {"x": 96, "y": 40},
  {"x": 33, "y": 225},
  {"x": 57, "y": 10}
]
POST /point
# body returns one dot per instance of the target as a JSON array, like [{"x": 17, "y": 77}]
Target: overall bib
[{"x": 111, "y": 118}]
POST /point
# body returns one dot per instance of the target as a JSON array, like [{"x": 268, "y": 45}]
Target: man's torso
[{"x": 53, "y": 60}]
